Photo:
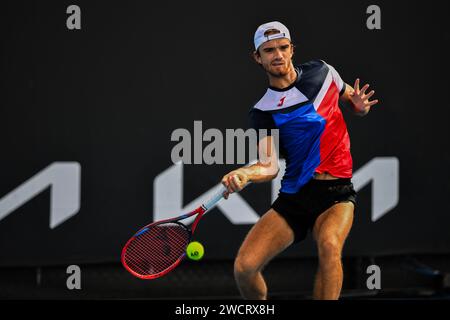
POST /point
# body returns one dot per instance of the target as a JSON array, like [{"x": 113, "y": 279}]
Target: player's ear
[{"x": 257, "y": 57}]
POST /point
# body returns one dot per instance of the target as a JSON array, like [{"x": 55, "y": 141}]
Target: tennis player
[{"x": 316, "y": 193}]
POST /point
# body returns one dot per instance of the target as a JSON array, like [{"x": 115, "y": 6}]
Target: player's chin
[
  {"x": 280, "y": 68},
  {"x": 279, "y": 71}
]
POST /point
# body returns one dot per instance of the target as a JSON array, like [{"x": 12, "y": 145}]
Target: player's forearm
[{"x": 260, "y": 172}]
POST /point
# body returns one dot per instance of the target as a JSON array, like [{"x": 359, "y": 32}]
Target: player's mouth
[{"x": 278, "y": 64}]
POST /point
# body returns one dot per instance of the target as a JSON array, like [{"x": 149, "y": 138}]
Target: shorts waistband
[{"x": 333, "y": 182}]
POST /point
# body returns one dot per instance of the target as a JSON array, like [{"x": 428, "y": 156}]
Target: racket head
[{"x": 156, "y": 249}]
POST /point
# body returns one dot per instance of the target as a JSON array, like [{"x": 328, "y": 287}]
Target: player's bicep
[
  {"x": 267, "y": 144},
  {"x": 268, "y": 154},
  {"x": 267, "y": 149}
]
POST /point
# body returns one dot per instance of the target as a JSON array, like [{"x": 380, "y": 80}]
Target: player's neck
[{"x": 285, "y": 81}]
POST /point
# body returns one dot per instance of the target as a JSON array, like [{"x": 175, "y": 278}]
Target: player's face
[{"x": 276, "y": 56}]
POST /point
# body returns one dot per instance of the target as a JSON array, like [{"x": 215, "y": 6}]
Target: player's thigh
[
  {"x": 334, "y": 224},
  {"x": 267, "y": 238}
]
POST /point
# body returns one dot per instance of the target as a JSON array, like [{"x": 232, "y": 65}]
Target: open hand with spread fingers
[{"x": 360, "y": 99}]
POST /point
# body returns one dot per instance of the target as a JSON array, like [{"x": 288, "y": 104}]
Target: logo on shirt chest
[{"x": 281, "y": 102}]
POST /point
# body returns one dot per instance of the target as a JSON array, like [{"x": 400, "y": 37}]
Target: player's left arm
[{"x": 358, "y": 99}]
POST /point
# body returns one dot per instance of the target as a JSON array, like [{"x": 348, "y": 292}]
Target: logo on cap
[{"x": 261, "y": 37}]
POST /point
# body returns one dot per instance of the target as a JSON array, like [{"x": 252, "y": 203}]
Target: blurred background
[{"x": 86, "y": 117}]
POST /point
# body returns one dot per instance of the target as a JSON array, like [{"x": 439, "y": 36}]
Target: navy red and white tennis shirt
[{"x": 312, "y": 131}]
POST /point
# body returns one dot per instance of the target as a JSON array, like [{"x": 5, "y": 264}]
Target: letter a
[
  {"x": 74, "y": 280},
  {"x": 374, "y": 281},
  {"x": 74, "y": 20},
  {"x": 374, "y": 21}
]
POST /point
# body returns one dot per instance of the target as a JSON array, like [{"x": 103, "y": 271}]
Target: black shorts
[{"x": 301, "y": 209}]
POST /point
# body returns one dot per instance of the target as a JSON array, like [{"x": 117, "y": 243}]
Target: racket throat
[{"x": 202, "y": 211}]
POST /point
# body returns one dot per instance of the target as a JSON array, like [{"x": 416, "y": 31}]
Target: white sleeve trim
[{"x": 336, "y": 77}]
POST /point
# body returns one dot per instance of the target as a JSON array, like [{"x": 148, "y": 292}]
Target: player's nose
[{"x": 278, "y": 53}]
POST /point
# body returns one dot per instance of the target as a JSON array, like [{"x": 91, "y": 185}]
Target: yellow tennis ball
[{"x": 195, "y": 251}]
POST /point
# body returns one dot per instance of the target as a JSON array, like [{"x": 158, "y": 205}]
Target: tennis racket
[{"x": 159, "y": 247}]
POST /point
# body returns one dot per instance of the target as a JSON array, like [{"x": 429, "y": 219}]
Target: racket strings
[{"x": 156, "y": 249}]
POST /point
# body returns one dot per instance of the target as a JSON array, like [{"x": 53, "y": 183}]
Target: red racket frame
[{"x": 199, "y": 212}]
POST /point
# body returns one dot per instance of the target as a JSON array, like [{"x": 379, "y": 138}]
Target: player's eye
[
  {"x": 285, "y": 47},
  {"x": 269, "y": 50}
]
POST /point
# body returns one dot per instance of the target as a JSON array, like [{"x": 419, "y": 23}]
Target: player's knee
[
  {"x": 329, "y": 249},
  {"x": 244, "y": 266}
]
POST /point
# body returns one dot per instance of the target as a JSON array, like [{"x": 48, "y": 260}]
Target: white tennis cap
[{"x": 260, "y": 38}]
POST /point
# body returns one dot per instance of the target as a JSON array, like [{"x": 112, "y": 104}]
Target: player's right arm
[{"x": 266, "y": 169}]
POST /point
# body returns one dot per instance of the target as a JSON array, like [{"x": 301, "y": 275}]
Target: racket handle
[{"x": 216, "y": 198}]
